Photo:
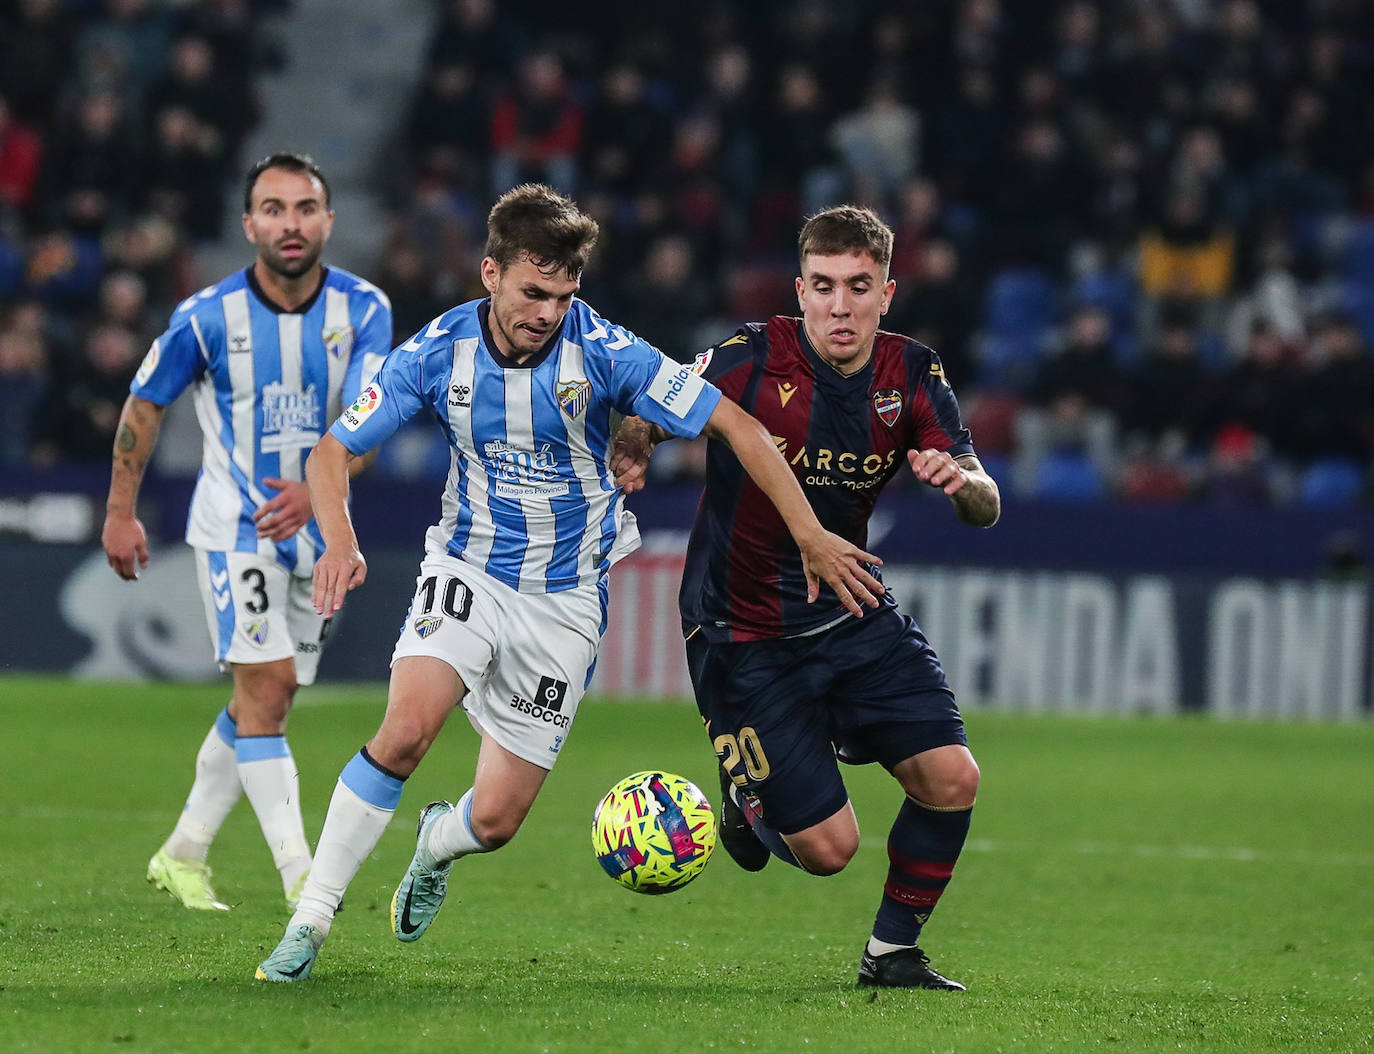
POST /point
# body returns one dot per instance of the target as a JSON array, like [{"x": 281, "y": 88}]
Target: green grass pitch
[{"x": 1130, "y": 884}]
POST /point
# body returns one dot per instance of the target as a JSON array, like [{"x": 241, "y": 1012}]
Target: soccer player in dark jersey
[{"x": 787, "y": 680}]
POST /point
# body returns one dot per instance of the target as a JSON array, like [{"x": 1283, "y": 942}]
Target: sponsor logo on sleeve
[
  {"x": 366, "y": 404},
  {"x": 149, "y": 366},
  {"x": 675, "y": 388}
]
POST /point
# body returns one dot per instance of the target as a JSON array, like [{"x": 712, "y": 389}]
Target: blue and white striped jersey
[
  {"x": 529, "y": 498},
  {"x": 267, "y": 384}
]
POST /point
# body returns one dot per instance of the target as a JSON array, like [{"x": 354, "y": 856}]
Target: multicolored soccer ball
[{"x": 653, "y": 832}]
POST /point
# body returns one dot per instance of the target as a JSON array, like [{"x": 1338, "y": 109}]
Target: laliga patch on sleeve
[
  {"x": 702, "y": 360},
  {"x": 149, "y": 366},
  {"x": 367, "y": 402},
  {"x": 675, "y": 388}
]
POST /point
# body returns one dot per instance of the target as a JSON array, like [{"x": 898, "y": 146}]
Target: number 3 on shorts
[{"x": 743, "y": 747}]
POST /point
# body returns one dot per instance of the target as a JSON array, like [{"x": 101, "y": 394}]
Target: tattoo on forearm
[
  {"x": 977, "y": 502},
  {"x": 125, "y": 439}
]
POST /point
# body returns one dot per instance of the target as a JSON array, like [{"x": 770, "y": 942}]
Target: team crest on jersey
[
  {"x": 425, "y": 626},
  {"x": 145, "y": 371},
  {"x": 887, "y": 403},
  {"x": 338, "y": 340},
  {"x": 573, "y": 396},
  {"x": 702, "y": 360},
  {"x": 256, "y": 631},
  {"x": 367, "y": 402}
]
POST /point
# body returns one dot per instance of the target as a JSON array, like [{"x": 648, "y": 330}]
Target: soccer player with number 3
[
  {"x": 510, "y": 604},
  {"x": 272, "y": 353}
]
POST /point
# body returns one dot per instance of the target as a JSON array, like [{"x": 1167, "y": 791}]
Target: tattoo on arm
[
  {"x": 125, "y": 439},
  {"x": 978, "y": 502}
]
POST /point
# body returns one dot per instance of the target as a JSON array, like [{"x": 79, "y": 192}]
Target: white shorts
[
  {"x": 525, "y": 658},
  {"x": 259, "y": 612}
]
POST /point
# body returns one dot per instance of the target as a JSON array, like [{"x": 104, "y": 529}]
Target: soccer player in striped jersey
[
  {"x": 509, "y": 608},
  {"x": 786, "y": 685},
  {"x": 272, "y": 353}
]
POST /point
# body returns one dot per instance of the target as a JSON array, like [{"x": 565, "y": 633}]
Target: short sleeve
[
  {"x": 670, "y": 395},
  {"x": 390, "y": 399},
  {"x": 172, "y": 363}
]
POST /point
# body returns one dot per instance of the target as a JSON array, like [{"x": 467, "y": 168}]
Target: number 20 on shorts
[{"x": 745, "y": 747}]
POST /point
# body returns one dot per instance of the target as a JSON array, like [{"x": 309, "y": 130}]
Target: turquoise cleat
[
  {"x": 294, "y": 957},
  {"x": 421, "y": 893}
]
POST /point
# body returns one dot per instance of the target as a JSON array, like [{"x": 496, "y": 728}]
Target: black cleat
[
  {"x": 906, "y": 968},
  {"x": 736, "y": 834}
]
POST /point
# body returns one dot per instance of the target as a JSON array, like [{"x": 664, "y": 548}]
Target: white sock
[
  {"x": 877, "y": 947},
  {"x": 213, "y": 794},
  {"x": 352, "y": 829},
  {"x": 268, "y": 773},
  {"x": 450, "y": 836}
]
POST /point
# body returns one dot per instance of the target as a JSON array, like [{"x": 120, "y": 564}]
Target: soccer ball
[{"x": 653, "y": 832}]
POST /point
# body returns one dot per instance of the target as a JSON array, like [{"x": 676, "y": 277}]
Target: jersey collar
[
  {"x": 276, "y": 308},
  {"x": 504, "y": 361}
]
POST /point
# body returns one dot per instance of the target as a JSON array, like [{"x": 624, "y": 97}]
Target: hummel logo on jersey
[
  {"x": 459, "y": 395},
  {"x": 551, "y": 692},
  {"x": 238, "y": 342},
  {"x": 786, "y": 389}
]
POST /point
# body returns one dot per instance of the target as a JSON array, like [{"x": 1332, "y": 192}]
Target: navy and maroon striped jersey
[{"x": 844, "y": 437}]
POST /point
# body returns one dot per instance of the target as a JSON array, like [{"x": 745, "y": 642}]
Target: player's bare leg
[
  {"x": 923, "y": 846},
  {"x": 483, "y": 819}
]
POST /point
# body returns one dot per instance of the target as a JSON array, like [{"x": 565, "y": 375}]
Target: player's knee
[
  {"x": 956, "y": 788},
  {"x": 826, "y": 858},
  {"x": 494, "y": 829},
  {"x": 263, "y": 701}
]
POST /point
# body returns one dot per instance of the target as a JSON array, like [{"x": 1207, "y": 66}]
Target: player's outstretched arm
[
  {"x": 123, "y": 536},
  {"x": 631, "y": 450},
  {"x": 824, "y": 555},
  {"x": 341, "y": 566},
  {"x": 977, "y": 501}
]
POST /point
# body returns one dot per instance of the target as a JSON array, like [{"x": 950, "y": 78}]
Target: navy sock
[
  {"x": 921, "y": 850},
  {"x": 767, "y": 835}
]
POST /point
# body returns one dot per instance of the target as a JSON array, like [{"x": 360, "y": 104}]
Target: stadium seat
[
  {"x": 1068, "y": 476},
  {"x": 1330, "y": 482},
  {"x": 1359, "y": 254},
  {"x": 989, "y": 415},
  {"x": 1020, "y": 305},
  {"x": 1357, "y": 298}
]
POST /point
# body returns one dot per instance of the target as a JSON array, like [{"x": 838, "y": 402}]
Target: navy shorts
[{"x": 778, "y": 710}]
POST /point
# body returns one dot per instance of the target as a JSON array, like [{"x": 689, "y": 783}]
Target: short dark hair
[
  {"x": 536, "y": 221},
  {"x": 302, "y": 163},
  {"x": 846, "y": 229}
]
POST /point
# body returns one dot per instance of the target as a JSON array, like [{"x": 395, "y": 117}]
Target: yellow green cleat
[{"x": 186, "y": 880}]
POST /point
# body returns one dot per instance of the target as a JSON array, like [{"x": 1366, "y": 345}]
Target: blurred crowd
[
  {"x": 120, "y": 128},
  {"x": 1140, "y": 233}
]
